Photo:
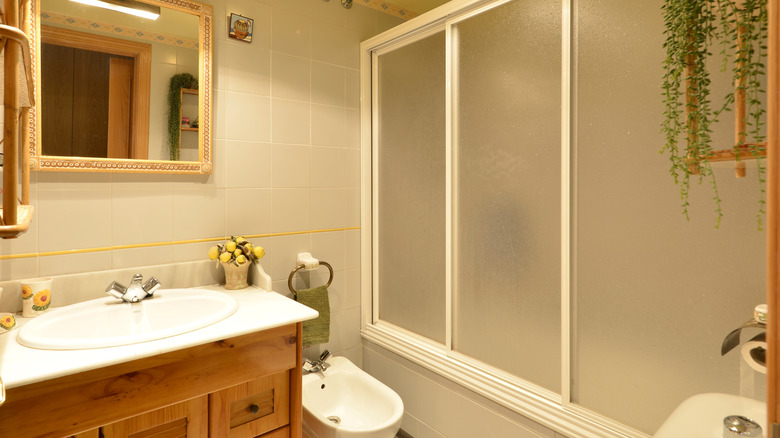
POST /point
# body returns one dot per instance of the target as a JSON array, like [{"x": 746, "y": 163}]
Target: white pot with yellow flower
[{"x": 235, "y": 256}]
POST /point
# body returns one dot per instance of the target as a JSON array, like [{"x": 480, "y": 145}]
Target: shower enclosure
[{"x": 521, "y": 233}]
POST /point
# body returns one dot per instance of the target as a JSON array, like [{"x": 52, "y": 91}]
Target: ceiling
[{"x": 419, "y": 6}]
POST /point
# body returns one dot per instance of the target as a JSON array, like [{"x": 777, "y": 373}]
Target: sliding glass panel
[
  {"x": 411, "y": 116},
  {"x": 508, "y": 190},
  {"x": 655, "y": 294}
]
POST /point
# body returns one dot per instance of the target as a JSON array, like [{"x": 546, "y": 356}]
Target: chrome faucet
[
  {"x": 317, "y": 366},
  {"x": 137, "y": 291}
]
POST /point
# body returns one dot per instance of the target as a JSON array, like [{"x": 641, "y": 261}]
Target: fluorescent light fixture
[{"x": 131, "y": 7}]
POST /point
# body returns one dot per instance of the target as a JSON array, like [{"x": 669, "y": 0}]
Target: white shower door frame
[{"x": 551, "y": 409}]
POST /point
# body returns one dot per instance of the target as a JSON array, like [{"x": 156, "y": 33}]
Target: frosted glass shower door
[
  {"x": 507, "y": 217},
  {"x": 411, "y": 186}
]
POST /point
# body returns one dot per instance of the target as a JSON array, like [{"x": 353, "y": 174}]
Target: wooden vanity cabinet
[{"x": 247, "y": 386}]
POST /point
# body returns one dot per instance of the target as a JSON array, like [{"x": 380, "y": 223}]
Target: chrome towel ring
[{"x": 301, "y": 266}]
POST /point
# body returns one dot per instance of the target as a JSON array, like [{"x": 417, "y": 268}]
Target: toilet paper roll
[{"x": 754, "y": 353}]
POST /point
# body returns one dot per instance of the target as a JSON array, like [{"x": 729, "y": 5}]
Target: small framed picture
[{"x": 240, "y": 28}]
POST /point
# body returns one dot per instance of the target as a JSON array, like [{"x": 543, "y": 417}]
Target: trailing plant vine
[
  {"x": 178, "y": 81},
  {"x": 747, "y": 21},
  {"x": 692, "y": 27}
]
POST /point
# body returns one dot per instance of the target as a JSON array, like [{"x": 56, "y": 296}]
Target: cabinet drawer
[{"x": 252, "y": 408}]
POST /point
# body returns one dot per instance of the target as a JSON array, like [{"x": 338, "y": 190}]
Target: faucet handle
[
  {"x": 151, "y": 286},
  {"x": 116, "y": 290}
]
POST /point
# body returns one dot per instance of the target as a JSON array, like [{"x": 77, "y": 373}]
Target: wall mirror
[{"x": 102, "y": 81}]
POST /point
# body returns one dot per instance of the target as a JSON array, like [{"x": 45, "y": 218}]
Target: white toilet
[{"x": 346, "y": 402}]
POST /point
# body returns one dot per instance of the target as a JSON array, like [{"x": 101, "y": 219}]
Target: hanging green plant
[
  {"x": 743, "y": 30},
  {"x": 178, "y": 81},
  {"x": 691, "y": 28}
]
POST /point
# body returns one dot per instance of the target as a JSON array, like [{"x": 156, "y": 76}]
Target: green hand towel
[{"x": 317, "y": 330}]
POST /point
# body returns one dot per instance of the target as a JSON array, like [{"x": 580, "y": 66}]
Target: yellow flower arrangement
[
  {"x": 237, "y": 251},
  {"x": 26, "y": 292},
  {"x": 42, "y": 300}
]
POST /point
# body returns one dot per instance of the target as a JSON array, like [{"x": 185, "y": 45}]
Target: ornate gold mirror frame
[{"x": 205, "y": 14}]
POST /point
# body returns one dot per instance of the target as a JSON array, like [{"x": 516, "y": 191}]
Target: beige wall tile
[
  {"x": 353, "y": 249},
  {"x": 352, "y": 170},
  {"x": 247, "y": 74},
  {"x": 291, "y": 33},
  {"x": 291, "y": 121},
  {"x": 140, "y": 215},
  {"x": 246, "y": 164},
  {"x": 353, "y": 207},
  {"x": 328, "y": 43},
  {"x": 290, "y": 210},
  {"x": 284, "y": 251},
  {"x": 328, "y": 84},
  {"x": 297, "y": 6},
  {"x": 327, "y": 167},
  {"x": 327, "y": 208},
  {"x": 291, "y": 77},
  {"x": 328, "y": 126},
  {"x": 247, "y": 211},
  {"x": 291, "y": 166},
  {"x": 73, "y": 263},
  {"x": 198, "y": 213},
  {"x": 247, "y": 117},
  {"x": 128, "y": 258},
  {"x": 352, "y": 280},
  {"x": 329, "y": 12},
  {"x": 353, "y": 88},
  {"x": 74, "y": 219},
  {"x": 330, "y": 247},
  {"x": 353, "y": 128}
]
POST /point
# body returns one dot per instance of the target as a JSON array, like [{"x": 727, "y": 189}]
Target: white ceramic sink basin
[
  {"x": 701, "y": 416},
  {"x": 108, "y": 322}
]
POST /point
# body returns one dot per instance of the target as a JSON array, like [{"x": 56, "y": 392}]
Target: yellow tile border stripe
[{"x": 153, "y": 244}]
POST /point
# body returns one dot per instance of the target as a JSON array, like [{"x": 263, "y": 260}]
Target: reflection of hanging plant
[
  {"x": 691, "y": 28},
  {"x": 178, "y": 81}
]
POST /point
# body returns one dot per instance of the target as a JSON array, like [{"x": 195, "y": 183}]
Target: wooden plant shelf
[
  {"x": 190, "y": 129},
  {"x": 731, "y": 155}
]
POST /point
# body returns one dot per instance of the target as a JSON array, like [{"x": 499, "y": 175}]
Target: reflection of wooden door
[
  {"x": 120, "y": 100},
  {"x": 74, "y": 102},
  {"x": 69, "y": 91}
]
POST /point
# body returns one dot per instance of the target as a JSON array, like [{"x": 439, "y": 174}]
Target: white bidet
[{"x": 346, "y": 402}]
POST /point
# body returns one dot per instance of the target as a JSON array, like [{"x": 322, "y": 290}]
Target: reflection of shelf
[
  {"x": 189, "y": 91},
  {"x": 190, "y": 129},
  {"x": 24, "y": 214}
]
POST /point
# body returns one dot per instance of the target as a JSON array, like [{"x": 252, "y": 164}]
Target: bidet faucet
[
  {"x": 317, "y": 366},
  {"x": 137, "y": 291}
]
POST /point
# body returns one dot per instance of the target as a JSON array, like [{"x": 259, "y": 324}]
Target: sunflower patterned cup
[
  {"x": 36, "y": 296},
  {"x": 7, "y": 322}
]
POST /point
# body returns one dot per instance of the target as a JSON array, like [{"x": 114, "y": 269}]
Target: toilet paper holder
[{"x": 753, "y": 350}]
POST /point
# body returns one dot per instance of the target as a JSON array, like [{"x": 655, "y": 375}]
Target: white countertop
[{"x": 258, "y": 310}]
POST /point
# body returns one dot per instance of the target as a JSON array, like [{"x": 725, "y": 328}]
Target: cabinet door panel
[{"x": 186, "y": 419}]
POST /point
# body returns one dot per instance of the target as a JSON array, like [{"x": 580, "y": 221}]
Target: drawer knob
[{"x": 254, "y": 408}]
